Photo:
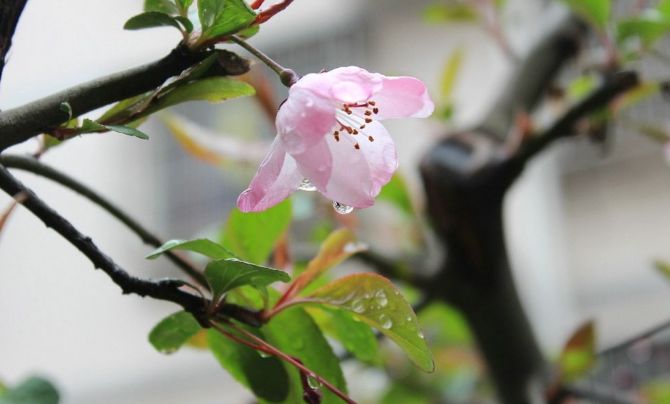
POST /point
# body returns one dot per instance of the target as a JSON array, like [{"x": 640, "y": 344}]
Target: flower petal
[
  {"x": 348, "y": 85},
  {"x": 304, "y": 119},
  {"x": 359, "y": 174},
  {"x": 276, "y": 178},
  {"x": 403, "y": 97},
  {"x": 316, "y": 164}
]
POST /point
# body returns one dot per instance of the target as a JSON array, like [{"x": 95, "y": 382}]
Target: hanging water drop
[
  {"x": 385, "y": 322},
  {"x": 314, "y": 382},
  {"x": 421, "y": 335},
  {"x": 381, "y": 299},
  {"x": 306, "y": 185},
  {"x": 342, "y": 209}
]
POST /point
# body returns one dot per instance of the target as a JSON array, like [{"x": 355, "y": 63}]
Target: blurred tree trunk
[{"x": 466, "y": 179}]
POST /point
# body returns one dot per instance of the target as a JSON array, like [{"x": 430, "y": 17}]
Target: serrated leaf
[
  {"x": 230, "y": 273},
  {"x": 265, "y": 377},
  {"x": 162, "y": 6},
  {"x": 202, "y": 246},
  {"x": 595, "y": 11},
  {"x": 578, "y": 355},
  {"x": 224, "y": 17},
  {"x": 340, "y": 245},
  {"x": 396, "y": 193},
  {"x": 214, "y": 89},
  {"x": 173, "y": 331},
  {"x": 356, "y": 336},
  {"x": 252, "y": 236},
  {"x": 151, "y": 19},
  {"x": 34, "y": 390},
  {"x": 294, "y": 332},
  {"x": 376, "y": 301}
]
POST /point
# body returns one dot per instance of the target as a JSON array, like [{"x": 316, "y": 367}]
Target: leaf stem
[{"x": 288, "y": 77}]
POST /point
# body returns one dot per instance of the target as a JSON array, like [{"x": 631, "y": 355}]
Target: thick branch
[
  {"x": 38, "y": 168},
  {"x": 22, "y": 123},
  {"x": 10, "y": 11},
  {"x": 168, "y": 290}
]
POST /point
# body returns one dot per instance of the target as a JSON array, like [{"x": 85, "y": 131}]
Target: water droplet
[
  {"x": 306, "y": 185},
  {"x": 309, "y": 103},
  {"x": 385, "y": 321},
  {"x": 354, "y": 247},
  {"x": 381, "y": 299},
  {"x": 264, "y": 354},
  {"x": 314, "y": 382},
  {"x": 358, "y": 306},
  {"x": 421, "y": 335},
  {"x": 409, "y": 319},
  {"x": 342, "y": 209}
]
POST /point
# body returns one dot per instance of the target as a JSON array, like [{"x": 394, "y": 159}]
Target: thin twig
[
  {"x": 563, "y": 127},
  {"x": 167, "y": 289},
  {"x": 41, "y": 169}
]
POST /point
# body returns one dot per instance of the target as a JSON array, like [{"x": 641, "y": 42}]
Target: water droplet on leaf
[
  {"x": 385, "y": 322},
  {"x": 381, "y": 299},
  {"x": 358, "y": 306},
  {"x": 306, "y": 185},
  {"x": 421, "y": 335},
  {"x": 342, "y": 209}
]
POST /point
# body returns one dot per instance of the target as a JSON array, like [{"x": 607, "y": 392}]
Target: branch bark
[
  {"x": 10, "y": 12},
  {"x": 44, "y": 115}
]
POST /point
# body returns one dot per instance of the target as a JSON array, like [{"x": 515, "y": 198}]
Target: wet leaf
[
  {"x": 265, "y": 377},
  {"x": 578, "y": 355},
  {"x": 356, "y": 336},
  {"x": 224, "y": 17},
  {"x": 252, "y": 236},
  {"x": 213, "y": 89},
  {"x": 173, "y": 332},
  {"x": 202, "y": 246},
  {"x": 227, "y": 274},
  {"x": 377, "y": 302},
  {"x": 162, "y": 6}
]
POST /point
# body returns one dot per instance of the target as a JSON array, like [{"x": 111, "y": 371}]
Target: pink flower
[{"x": 329, "y": 133}]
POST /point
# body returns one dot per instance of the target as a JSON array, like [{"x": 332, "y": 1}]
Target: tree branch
[
  {"x": 22, "y": 123},
  {"x": 38, "y": 168},
  {"x": 168, "y": 290},
  {"x": 10, "y": 11},
  {"x": 563, "y": 127}
]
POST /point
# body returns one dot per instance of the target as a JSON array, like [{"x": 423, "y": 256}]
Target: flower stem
[{"x": 288, "y": 77}]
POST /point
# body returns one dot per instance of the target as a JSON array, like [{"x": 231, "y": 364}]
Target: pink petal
[
  {"x": 358, "y": 175},
  {"x": 403, "y": 97},
  {"x": 276, "y": 178},
  {"x": 316, "y": 164},
  {"x": 348, "y": 85},
  {"x": 304, "y": 119}
]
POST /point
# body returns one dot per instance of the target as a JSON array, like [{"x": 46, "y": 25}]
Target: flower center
[{"x": 353, "y": 118}]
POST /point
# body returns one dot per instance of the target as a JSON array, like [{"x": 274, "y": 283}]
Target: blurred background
[{"x": 583, "y": 225}]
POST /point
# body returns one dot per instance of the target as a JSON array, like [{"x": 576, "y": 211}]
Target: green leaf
[
  {"x": 214, "y": 89},
  {"x": 294, "y": 332},
  {"x": 395, "y": 192},
  {"x": 125, "y": 108},
  {"x": 266, "y": 377},
  {"x": 161, "y": 6},
  {"x": 230, "y": 273},
  {"x": 444, "y": 325},
  {"x": 649, "y": 26},
  {"x": 252, "y": 236},
  {"x": 377, "y": 302},
  {"x": 89, "y": 126},
  {"x": 596, "y": 11},
  {"x": 34, "y": 390},
  {"x": 664, "y": 268},
  {"x": 224, "y": 17},
  {"x": 356, "y": 336},
  {"x": 128, "y": 130},
  {"x": 202, "y": 246},
  {"x": 185, "y": 22},
  {"x": 173, "y": 332},
  {"x": 581, "y": 86},
  {"x": 578, "y": 355},
  {"x": 184, "y": 5},
  {"x": 151, "y": 19},
  {"x": 450, "y": 74}
]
